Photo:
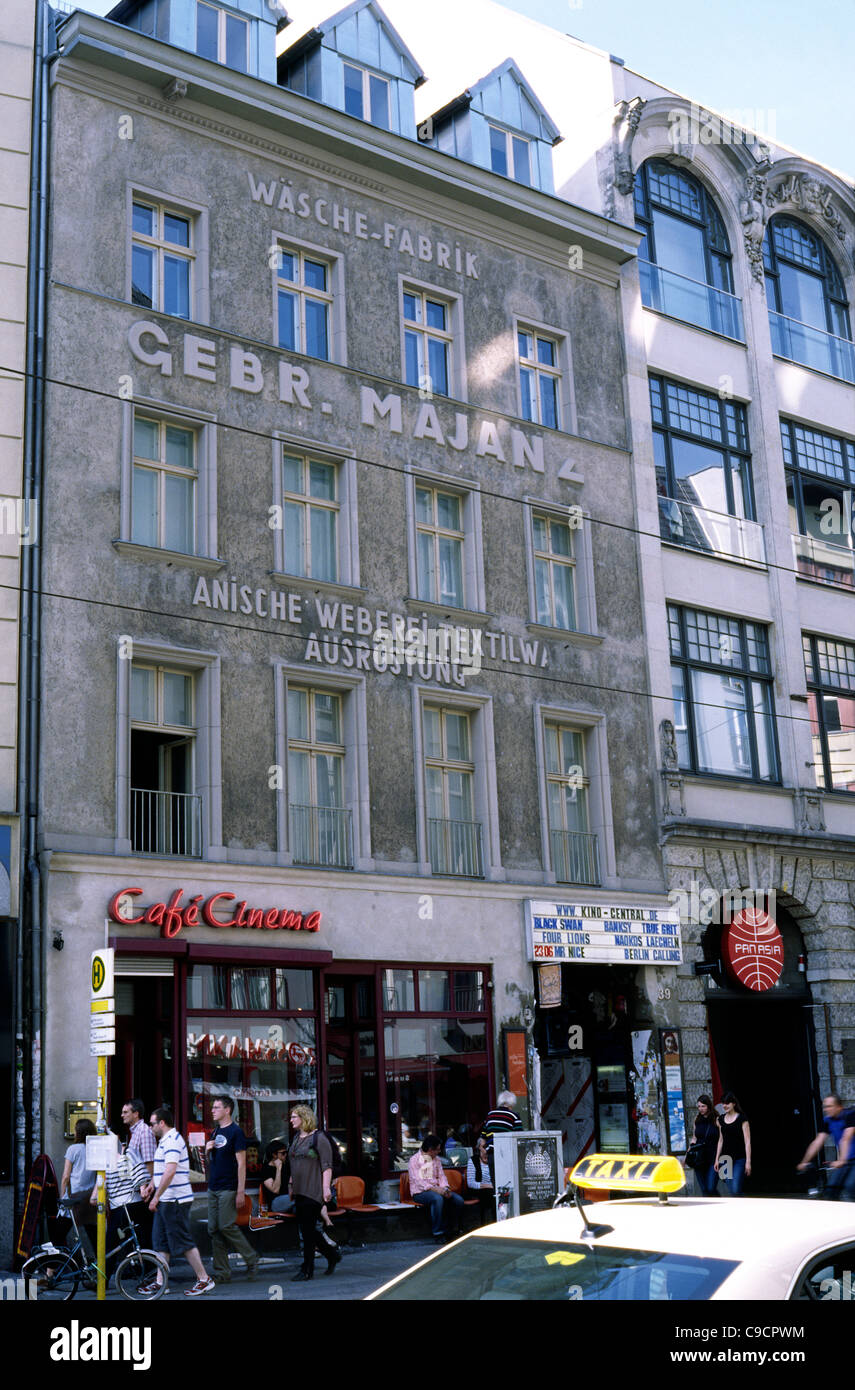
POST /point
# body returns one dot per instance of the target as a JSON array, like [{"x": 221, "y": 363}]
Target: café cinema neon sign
[{"x": 171, "y": 917}]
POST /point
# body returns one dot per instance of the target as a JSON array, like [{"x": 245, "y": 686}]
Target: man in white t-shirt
[{"x": 170, "y": 1196}]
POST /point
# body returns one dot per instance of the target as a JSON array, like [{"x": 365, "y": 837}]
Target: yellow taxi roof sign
[{"x": 629, "y": 1173}]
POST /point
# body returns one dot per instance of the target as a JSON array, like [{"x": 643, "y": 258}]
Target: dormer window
[
  {"x": 221, "y": 37},
  {"x": 366, "y": 95},
  {"x": 510, "y": 155}
]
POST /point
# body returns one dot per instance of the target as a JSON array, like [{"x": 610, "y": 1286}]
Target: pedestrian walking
[
  {"x": 226, "y": 1151},
  {"x": 839, "y": 1125},
  {"x": 140, "y": 1148},
  {"x": 705, "y": 1142},
  {"x": 170, "y": 1196},
  {"x": 310, "y": 1184},
  {"x": 501, "y": 1120},
  {"x": 733, "y": 1154},
  {"x": 429, "y": 1187}
]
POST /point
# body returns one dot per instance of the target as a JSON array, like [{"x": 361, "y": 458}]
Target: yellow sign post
[{"x": 102, "y": 1044}]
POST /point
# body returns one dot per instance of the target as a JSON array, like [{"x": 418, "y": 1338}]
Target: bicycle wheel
[
  {"x": 138, "y": 1269},
  {"x": 56, "y": 1275}
]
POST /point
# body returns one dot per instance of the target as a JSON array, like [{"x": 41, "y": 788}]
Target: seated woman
[
  {"x": 275, "y": 1195},
  {"x": 478, "y": 1181}
]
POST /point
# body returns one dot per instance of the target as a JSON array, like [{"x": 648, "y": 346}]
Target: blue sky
[{"x": 782, "y": 59}]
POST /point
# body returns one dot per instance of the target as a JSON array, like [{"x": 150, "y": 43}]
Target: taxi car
[{"x": 646, "y": 1247}]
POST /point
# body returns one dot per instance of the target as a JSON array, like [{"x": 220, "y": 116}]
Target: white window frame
[
  {"x": 334, "y": 296},
  {"x": 347, "y": 536},
  {"x": 204, "y": 667},
  {"x": 198, "y": 253},
  {"x": 455, "y": 336},
  {"x": 221, "y": 34},
  {"x": 367, "y": 74},
  {"x": 473, "y": 550},
  {"x": 204, "y": 558},
  {"x": 356, "y": 787},
  {"x": 484, "y": 787},
  {"x": 592, "y": 727},
  {"x": 511, "y": 135},
  {"x": 586, "y": 610},
  {"x": 567, "y": 423}
]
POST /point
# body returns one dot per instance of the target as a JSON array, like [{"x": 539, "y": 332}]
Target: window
[
  {"x": 163, "y": 499},
  {"x": 304, "y": 74},
  {"x": 830, "y": 672},
  {"x": 304, "y": 299},
  {"x": 440, "y": 540},
  {"x": 554, "y": 572},
  {"x": 723, "y": 699},
  {"x": 684, "y": 255},
  {"x": 510, "y": 154},
  {"x": 320, "y": 826},
  {"x": 573, "y": 849},
  {"x": 428, "y": 340},
  {"x": 821, "y": 495},
  {"x": 165, "y": 812},
  {"x": 540, "y": 378},
  {"x": 221, "y": 36},
  {"x": 366, "y": 95},
  {"x": 808, "y": 310},
  {"x": 454, "y": 837},
  {"x": 703, "y": 471},
  {"x": 310, "y": 514},
  {"x": 162, "y": 258}
]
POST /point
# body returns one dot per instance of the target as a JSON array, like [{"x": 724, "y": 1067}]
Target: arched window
[
  {"x": 807, "y": 302},
  {"x": 685, "y": 256}
]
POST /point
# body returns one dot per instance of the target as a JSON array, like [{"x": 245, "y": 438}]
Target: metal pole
[{"x": 101, "y": 1258}]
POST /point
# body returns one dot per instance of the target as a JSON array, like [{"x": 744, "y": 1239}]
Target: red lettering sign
[
  {"x": 753, "y": 949},
  {"x": 171, "y": 917}
]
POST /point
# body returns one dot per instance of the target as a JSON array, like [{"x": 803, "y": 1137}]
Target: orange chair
[
  {"x": 455, "y": 1180},
  {"x": 404, "y": 1191},
  {"x": 349, "y": 1192},
  {"x": 264, "y": 1218}
]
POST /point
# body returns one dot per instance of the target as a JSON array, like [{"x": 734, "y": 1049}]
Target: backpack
[{"x": 337, "y": 1160}]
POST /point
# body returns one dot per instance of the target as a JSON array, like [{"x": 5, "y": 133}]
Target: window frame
[
  {"x": 510, "y": 136},
  {"x": 356, "y": 789},
  {"x": 710, "y": 221},
  {"x": 334, "y": 295},
  {"x": 473, "y": 554},
  {"x": 485, "y": 793},
  {"x": 163, "y": 469},
  {"x": 833, "y": 285},
  {"x": 347, "y": 531},
  {"x": 796, "y": 475},
  {"x": 738, "y": 672},
  {"x": 203, "y": 425},
  {"x": 204, "y": 667},
  {"x": 593, "y": 728},
  {"x": 453, "y": 336},
  {"x": 222, "y": 15},
  {"x": 538, "y": 369},
  {"x": 668, "y": 432},
  {"x": 823, "y": 690},
  {"x": 584, "y": 594},
  {"x": 367, "y": 73},
  {"x": 198, "y": 252}
]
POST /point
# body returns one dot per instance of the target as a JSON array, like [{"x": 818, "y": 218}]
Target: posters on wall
[
  {"x": 647, "y": 1085},
  {"x": 675, "y": 1109}
]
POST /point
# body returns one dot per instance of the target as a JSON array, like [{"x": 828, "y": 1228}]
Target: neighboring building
[
  {"x": 324, "y": 389},
  {"x": 741, "y": 383}
]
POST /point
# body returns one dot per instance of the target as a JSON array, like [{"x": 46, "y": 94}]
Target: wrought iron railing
[
  {"x": 575, "y": 856},
  {"x": 812, "y": 347},
  {"x": 679, "y": 297},
  {"x": 322, "y": 836},
  {"x": 717, "y": 533},
  {"x": 166, "y": 822},
  {"x": 454, "y": 847}
]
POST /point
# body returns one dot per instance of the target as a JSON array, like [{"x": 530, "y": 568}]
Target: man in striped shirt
[
  {"x": 499, "y": 1121},
  {"x": 171, "y": 1195},
  {"x": 140, "y": 1148}
]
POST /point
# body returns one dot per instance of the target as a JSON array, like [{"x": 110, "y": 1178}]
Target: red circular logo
[
  {"x": 297, "y": 1054},
  {"x": 753, "y": 949}
]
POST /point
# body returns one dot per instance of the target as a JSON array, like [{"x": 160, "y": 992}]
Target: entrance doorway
[
  {"x": 353, "y": 1102},
  {"x": 763, "y": 1051},
  {"x": 144, "y": 1064}
]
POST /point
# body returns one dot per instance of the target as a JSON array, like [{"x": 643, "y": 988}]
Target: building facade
[{"x": 346, "y": 722}]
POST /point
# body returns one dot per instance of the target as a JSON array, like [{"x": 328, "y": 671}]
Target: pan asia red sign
[
  {"x": 172, "y": 916},
  {"x": 753, "y": 949}
]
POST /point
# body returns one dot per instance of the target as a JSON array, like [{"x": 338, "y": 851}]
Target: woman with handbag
[
  {"x": 310, "y": 1184},
  {"x": 701, "y": 1155}
]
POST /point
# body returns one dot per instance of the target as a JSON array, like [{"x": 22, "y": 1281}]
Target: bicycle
[{"x": 59, "y": 1270}]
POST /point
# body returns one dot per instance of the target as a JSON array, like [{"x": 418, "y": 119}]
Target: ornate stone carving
[
  {"x": 626, "y": 122},
  {"x": 175, "y": 89},
  {"x": 810, "y": 814},
  {"x": 798, "y": 191},
  {"x": 673, "y": 798},
  {"x": 752, "y": 215},
  {"x": 668, "y": 743}
]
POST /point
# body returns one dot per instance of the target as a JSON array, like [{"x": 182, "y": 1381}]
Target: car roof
[{"x": 730, "y": 1228}]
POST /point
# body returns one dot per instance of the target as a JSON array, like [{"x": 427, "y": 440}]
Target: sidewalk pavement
[{"x": 359, "y": 1272}]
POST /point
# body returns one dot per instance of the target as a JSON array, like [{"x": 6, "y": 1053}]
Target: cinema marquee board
[{"x": 603, "y": 933}]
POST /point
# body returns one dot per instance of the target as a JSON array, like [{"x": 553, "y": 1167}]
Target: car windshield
[{"x": 496, "y": 1268}]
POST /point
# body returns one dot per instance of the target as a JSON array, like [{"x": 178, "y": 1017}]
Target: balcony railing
[
  {"x": 575, "y": 856},
  {"x": 454, "y": 847},
  {"x": 715, "y": 533},
  {"x": 322, "y": 836},
  {"x": 166, "y": 822},
  {"x": 812, "y": 347},
  {"x": 691, "y": 301},
  {"x": 819, "y": 559}
]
